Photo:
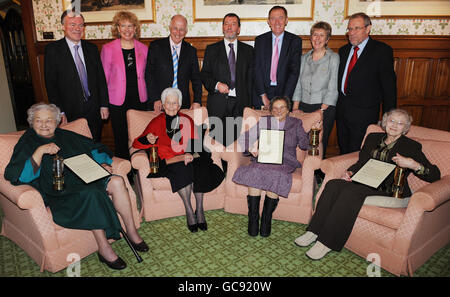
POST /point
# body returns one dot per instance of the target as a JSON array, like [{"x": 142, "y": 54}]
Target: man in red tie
[{"x": 366, "y": 79}]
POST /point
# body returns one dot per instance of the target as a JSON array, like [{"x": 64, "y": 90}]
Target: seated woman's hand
[
  {"x": 188, "y": 158},
  {"x": 49, "y": 148},
  {"x": 405, "y": 162},
  {"x": 151, "y": 138},
  {"x": 347, "y": 176},
  {"x": 254, "y": 150},
  {"x": 107, "y": 167}
]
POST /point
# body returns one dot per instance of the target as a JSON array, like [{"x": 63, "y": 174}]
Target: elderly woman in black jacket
[{"x": 342, "y": 199}]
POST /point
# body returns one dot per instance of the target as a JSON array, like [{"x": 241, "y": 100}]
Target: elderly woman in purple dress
[{"x": 275, "y": 179}]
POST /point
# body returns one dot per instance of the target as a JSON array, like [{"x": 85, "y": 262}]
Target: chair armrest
[
  {"x": 432, "y": 195},
  {"x": 120, "y": 166},
  {"x": 24, "y": 196},
  {"x": 139, "y": 161},
  {"x": 336, "y": 166}
]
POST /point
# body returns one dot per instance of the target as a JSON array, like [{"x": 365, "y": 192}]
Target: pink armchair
[
  {"x": 157, "y": 199},
  {"x": 405, "y": 238},
  {"x": 29, "y": 224},
  {"x": 298, "y": 205}
]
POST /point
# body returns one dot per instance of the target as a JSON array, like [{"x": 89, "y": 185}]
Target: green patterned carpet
[{"x": 224, "y": 250}]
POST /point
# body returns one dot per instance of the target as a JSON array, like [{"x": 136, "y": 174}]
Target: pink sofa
[
  {"x": 298, "y": 205},
  {"x": 29, "y": 224},
  {"x": 404, "y": 238},
  {"x": 157, "y": 199}
]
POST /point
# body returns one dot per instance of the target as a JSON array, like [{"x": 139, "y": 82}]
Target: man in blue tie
[
  {"x": 173, "y": 62},
  {"x": 227, "y": 76},
  {"x": 74, "y": 76}
]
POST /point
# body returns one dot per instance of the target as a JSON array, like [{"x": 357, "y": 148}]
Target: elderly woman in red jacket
[
  {"x": 124, "y": 61},
  {"x": 178, "y": 141}
]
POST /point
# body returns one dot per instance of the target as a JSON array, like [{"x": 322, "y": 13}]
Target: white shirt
[
  {"x": 232, "y": 92},
  {"x": 178, "y": 47},
  {"x": 280, "y": 43},
  {"x": 361, "y": 47},
  {"x": 72, "y": 50}
]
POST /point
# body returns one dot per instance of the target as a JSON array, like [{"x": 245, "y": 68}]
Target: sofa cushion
[{"x": 389, "y": 217}]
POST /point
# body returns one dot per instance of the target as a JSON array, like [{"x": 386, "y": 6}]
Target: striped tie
[{"x": 175, "y": 66}]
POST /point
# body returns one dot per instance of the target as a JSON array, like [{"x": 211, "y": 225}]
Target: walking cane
[{"x": 139, "y": 259}]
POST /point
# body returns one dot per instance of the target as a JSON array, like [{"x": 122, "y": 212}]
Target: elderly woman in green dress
[{"x": 79, "y": 205}]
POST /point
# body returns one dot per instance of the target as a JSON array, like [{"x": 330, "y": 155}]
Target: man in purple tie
[
  {"x": 227, "y": 76},
  {"x": 74, "y": 76},
  {"x": 366, "y": 78},
  {"x": 277, "y": 60}
]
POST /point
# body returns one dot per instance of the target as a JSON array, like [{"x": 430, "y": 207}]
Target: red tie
[{"x": 351, "y": 65}]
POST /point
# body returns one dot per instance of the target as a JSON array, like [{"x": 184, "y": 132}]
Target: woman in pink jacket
[{"x": 124, "y": 60}]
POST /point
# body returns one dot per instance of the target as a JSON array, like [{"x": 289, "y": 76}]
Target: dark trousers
[
  {"x": 119, "y": 125},
  {"x": 328, "y": 120},
  {"x": 233, "y": 127},
  {"x": 337, "y": 210},
  {"x": 352, "y": 123},
  {"x": 350, "y": 136},
  {"x": 91, "y": 112}
]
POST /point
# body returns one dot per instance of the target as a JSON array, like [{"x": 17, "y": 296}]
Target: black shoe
[
  {"x": 266, "y": 218},
  {"x": 140, "y": 247},
  {"x": 203, "y": 226},
  {"x": 118, "y": 264},
  {"x": 193, "y": 228},
  {"x": 253, "y": 215}
]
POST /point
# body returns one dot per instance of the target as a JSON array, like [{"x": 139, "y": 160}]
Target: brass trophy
[
  {"x": 153, "y": 159},
  {"x": 399, "y": 181},
  {"x": 58, "y": 173},
  {"x": 314, "y": 142}
]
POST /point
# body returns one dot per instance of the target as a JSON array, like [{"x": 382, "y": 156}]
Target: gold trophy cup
[
  {"x": 153, "y": 159},
  {"x": 314, "y": 142},
  {"x": 58, "y": 173},
  {"x": 399, "y": 181}
]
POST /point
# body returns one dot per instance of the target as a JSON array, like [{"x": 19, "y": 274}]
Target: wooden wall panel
[
  {"x": 416, "y": 77},
  {"x": 436, "y": 117},
  {"x": 441, "y": 86}
]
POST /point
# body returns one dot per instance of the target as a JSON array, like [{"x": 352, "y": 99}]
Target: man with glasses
[
  {"x": 74, "y": 76},
  {"x": 366, "y": 79},
  {"x": 172, "y": 62}
]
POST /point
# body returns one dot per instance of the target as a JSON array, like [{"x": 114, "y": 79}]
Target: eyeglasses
[
  {"x": 281, "y": 108},
  {"x": 394, "y": 122},
  {"x": 44, "y": 122},
  {"x": 356, "y": 29}
]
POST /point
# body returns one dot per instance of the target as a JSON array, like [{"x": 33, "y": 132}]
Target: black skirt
[{"x": 202, "y": 172}]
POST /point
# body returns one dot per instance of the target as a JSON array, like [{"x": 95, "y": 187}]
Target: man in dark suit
[
  {"x": 74, "y": 76},
  {"x": 276, "y": 68},
  {"x": 172, "y": 62},
  {"x": 366, "y": 78},
  {"x": 227, "y": 75}
]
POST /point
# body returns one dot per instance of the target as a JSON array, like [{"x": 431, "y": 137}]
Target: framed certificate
[
  {"x": 373, "y": 173},
  {"x": 271, "y": 143},
  {"x": 86, "y": 168}
]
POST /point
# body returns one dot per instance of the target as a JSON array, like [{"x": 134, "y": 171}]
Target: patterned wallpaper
[{"x": 48, "y": 12}]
